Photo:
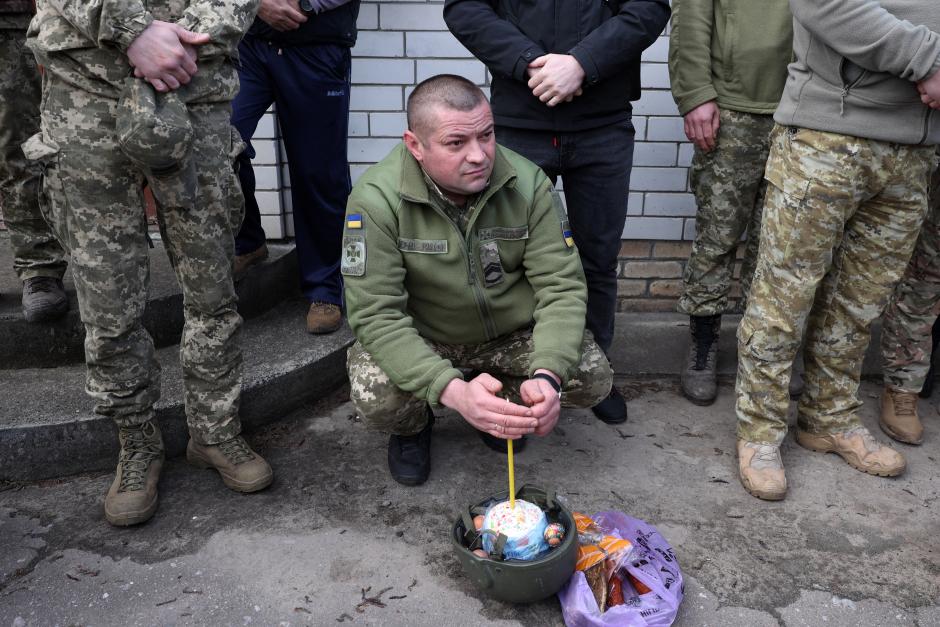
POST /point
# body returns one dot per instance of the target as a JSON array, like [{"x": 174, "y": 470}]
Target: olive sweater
[
  {"x": 732, "y": 51},
  {"x": 410, "y": 274}
]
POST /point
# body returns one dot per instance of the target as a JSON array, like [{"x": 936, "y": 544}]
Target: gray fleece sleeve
[{"x": 870, "y": 36}]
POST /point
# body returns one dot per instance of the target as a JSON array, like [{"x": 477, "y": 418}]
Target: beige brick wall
[{"x": 650, "y": 275}]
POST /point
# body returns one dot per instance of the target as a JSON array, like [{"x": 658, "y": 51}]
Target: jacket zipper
[{"x": 483, "y": 309}]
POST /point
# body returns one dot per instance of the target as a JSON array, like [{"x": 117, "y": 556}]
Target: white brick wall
[{"x": 402, "y": 42}]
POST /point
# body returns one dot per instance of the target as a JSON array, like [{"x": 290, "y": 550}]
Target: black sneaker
[
  {"x": 499, "y": 444},
  {"x": 613, "y": 409},
  {"x": 44, "y": 299},
  {"x": 409, "y": 456}
]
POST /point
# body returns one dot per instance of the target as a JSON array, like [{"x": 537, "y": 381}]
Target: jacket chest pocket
[{"x": 502, "y": 245}]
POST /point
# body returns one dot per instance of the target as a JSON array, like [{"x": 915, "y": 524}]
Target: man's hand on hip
[
  {"x": 478, "y": 403},
  {"x": 555, "y": 78},
  {"x": 544, "y": 401},
  {"x": 164, "y": 54},
  {"x": 282, "y": 15},
  {"x": 701, "y": 125},
  {"x": 929, "y": 89}
]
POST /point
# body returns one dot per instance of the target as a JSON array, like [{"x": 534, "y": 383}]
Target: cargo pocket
[
  {"x": 235, "y": 198},
  {"x": 53, "y": 203}
]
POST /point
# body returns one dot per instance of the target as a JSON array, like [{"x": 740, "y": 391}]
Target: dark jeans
[
  {"x": 595, "y": 165},
  {"x": 310, "y": 86}
]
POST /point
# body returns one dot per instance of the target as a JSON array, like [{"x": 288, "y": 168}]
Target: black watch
[{"x": 551, "y": 381}]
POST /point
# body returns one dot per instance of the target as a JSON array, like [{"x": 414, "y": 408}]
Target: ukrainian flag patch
[
  {"x": 354, "y": 221},
  {"x": 566, "y": 234}
]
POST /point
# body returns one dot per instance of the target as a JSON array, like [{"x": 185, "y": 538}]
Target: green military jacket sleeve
[
  {"x": 732, "y": 51},
  {"x": 412, "y": 277},
  {"x": 226, "y": 21},
  {"x": 115, "y": 22}
]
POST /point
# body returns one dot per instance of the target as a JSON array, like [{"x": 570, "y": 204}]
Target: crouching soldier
[{"x": 457, "y": 254}]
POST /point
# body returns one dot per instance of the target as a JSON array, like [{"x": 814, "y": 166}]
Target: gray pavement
[{"x": 335, "y": 540}]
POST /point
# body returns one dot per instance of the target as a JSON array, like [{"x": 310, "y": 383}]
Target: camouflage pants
[
  {"x": 840, "y": 222},
  {"x": 35, "y": 250},
  {"x": 729, "y": 188},
  {"x": 92, "y": 195},
  {"x": 915, "y": 305},
  {"x": 386, "y": 407}
]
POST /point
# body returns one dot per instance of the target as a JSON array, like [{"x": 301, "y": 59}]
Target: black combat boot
[
  {"x": 613, "y": 409},
  {"x": 700, "y": 376},
  {"x": 409, "y": 456},
  {"x": 44, "y": 299}
]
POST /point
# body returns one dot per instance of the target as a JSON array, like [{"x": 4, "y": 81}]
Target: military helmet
[{"x": 514, "y": 580}]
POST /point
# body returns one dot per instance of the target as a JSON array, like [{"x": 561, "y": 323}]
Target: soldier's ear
[{"x": 413, "y": 144}]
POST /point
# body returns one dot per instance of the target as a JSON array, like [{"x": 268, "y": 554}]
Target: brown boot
[
  {"x": 899, "y": 417},
  {"x": 241, "y": 468},
  {"x": 323, "y": 318},
  {"x": 243, "y": 262},
  {"x": 858, "y": 448},
  {"x": 132, "y": 498},
  {"x": 761, "y": 470}
]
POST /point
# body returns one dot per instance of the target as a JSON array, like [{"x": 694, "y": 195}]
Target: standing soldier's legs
[
  {"x": 92, "y": 197},
  {"x": 729, "y": 187},
  {"x": 198, "y": 226},
  {"x": 38, "y": 259}
]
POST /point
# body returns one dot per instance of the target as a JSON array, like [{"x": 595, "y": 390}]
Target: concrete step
[
  {"x": 48, "y": 427},
  {"x": 25, "y": 345}
]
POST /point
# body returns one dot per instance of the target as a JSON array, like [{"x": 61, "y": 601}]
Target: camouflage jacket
[
  {"x": 85, "y": 41},
  {"x": 411, "y": 273}
]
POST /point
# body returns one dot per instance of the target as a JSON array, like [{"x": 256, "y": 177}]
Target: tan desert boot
[
  {"x": 858, "y": 448},
  {"x": 761, "y": 470},
  {"x": 132, "y": 498},
  {"x": 241, "y": 468},
  {"x": 323, "y": 318},
  {"x": 899, "y": 417}
]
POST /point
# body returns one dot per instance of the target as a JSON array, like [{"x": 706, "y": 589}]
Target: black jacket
[
  {"x": 337, "y": 26},
  {"x": 508, "y": 34}
]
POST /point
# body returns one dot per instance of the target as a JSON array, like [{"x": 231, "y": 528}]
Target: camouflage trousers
[
  {"x": 93, "y": 197},
  {"x": 35, "y": 250},
  {"x": 914, "y": 306},
  {"x": 840, "y": 221},
  {"x": 729, "y": 189},
  {"x": 386, "y": 407}
]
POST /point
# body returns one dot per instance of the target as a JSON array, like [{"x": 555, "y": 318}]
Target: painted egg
[
  {"x": 480, "y": 553},
  {"x": 478, "y": 522},
  {"x": 554, "y": 534}
]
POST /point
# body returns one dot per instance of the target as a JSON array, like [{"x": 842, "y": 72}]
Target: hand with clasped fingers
[
  {"x": 555, "y": 78},
  {"x": 165, "y": 55},
  {"x": 701, "y": 125},
  {"x": 282, "y": 15},
  {"x": 479, "y": 403}
]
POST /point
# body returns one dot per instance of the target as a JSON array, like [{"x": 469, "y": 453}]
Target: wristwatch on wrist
[{"x": 551, "y": 381}]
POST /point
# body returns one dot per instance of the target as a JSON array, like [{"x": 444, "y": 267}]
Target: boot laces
[
  {"x": 702, "y": 352},
  {"x": 236, "y": 450},
  {"x": 904, "y": 404},
  {"x": 766, "y": 456},
  {"x": 41, "y": 284},
  {"x": 138, "y": 450}
]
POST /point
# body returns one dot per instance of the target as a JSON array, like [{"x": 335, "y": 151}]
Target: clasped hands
[
  {"x": 929, "y": 89},
  {"x": 555, "y": 78},
  {"x": 164, "y": 54},
  {"x": 479, "y": 403}
]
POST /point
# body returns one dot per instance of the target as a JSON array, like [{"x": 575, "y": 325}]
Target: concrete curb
[
  {"x": 62, "y": 342},
  {"x": 283, "y": 370}
]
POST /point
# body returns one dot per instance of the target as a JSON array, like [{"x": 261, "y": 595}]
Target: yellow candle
[{"x": 512, "y": 476}]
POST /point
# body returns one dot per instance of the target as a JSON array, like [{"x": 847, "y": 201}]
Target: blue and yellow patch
[
  {"x": 354, "y": 221},
  {"x": 566, "y": 234}
]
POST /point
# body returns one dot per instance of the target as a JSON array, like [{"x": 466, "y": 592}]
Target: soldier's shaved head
[{"x": 444, "y": 90}]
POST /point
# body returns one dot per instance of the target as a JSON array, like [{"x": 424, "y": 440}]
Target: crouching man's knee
[
  {"x": 591, "y": 381},
  {"x": 380, "y": 403}
]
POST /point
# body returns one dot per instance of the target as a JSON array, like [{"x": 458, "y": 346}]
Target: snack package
[{"x": 600, "y": 556}]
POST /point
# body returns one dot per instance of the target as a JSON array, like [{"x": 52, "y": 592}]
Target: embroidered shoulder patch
[
  {"x": 354, "y": 221},
  {"x": 354, "y": 255}
]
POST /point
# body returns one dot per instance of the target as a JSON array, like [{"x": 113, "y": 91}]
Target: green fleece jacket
[
  {"x": 732, "y": 51},
  {"x": 411, "y": 275}
]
